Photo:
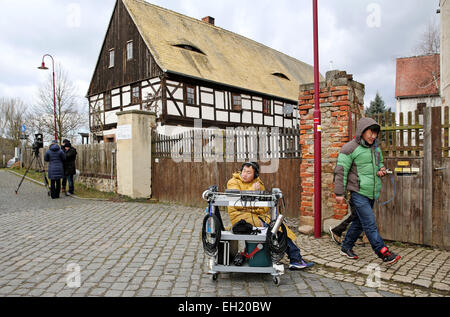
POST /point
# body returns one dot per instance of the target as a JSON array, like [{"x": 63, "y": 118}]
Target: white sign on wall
[{"x": 124, "y": 132}]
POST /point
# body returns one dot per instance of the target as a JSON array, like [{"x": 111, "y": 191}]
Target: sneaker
[
  {"x": 349, "y": 254},
  {"x": 295, "y": 266},
  {"x": 389, "y": 257},
  {"x": 336, "y": 239}
]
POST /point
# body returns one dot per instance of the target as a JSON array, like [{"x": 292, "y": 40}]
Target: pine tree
[{"x": 377, "y": 106}]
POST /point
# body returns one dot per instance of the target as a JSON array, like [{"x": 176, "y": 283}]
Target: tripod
[{"x": 41, "y": 166}]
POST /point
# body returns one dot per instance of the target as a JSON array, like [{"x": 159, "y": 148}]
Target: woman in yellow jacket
[{"x": 248, "y": 180}]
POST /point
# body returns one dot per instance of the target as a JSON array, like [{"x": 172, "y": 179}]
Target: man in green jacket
[{"x": 359, "y": 169}]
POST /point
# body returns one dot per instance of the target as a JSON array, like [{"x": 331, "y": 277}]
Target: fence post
[
  {"x": 432, "y": 158},
  {"x": 437, "y": 211}
]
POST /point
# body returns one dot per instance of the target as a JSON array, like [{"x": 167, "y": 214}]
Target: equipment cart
[{"x": 222, "y": 245}]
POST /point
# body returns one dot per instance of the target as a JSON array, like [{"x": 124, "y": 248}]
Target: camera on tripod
[
  {"x": 38, "y": 143},
  {"x": 36, "y": 146}
]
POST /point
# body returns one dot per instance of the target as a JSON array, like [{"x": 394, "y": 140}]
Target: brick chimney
[{"x": 209, "y": 20}]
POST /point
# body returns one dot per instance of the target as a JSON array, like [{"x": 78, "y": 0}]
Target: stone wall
[
  {"x": 100, "y": 184},
  {"x": 341, "y": 104}
]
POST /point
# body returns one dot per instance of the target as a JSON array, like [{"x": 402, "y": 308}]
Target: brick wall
[{"x": 341, "y": 103}]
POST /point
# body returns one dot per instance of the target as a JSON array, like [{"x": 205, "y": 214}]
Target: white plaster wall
[
  {"x": 172, "y": 109},
  {"x": 257, "y": 105},
  {"x": 220, "y": 104},
  {"x": 207, "y": 98},
  {"x": 126, "y": 98},
  {"x": 246, "y": 104},
  {"x": 279, "y": 121},
  {"x": 235, "y": 117},
  {"x": 111, "y": 117},
  {"x": 410, "y": 104},
  {"x": 257, "y": 118},
  {"x": 193, "y": 112},
  {"x": 208, "y": 113},
  {"x": 115, "y": 101},
  {"x": 222, "y": 116},
  {"x": 247, "y": 117}
]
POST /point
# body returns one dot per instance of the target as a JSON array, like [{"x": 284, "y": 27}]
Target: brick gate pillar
[
  {"x": 341, "y": 104},
  {"x": 134, "y": 150}
]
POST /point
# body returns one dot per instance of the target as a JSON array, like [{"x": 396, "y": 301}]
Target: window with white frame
[
  {"x": 129, "y": 50},
  {"x": 111, "y": 58}
]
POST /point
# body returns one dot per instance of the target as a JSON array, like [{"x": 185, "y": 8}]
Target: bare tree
[
  {"x": 430, "y": 40},
  {"x": 69, "y": 118},
  {"x": 12, "y": 115}
]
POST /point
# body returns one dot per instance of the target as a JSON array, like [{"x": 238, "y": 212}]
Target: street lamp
[
  {"x": 43, "y": 67},
  {"x": 317, "y": 130}
]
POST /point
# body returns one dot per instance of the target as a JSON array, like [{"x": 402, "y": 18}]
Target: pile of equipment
[{"x": 264, "y": 246}]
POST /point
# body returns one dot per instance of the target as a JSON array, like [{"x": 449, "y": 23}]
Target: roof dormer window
[
  {"x": 281, "y": 75},
  {"x": 189, "y": 48}
]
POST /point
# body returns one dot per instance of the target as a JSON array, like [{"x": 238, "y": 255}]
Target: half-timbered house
[{"x": 185, "y": 69}]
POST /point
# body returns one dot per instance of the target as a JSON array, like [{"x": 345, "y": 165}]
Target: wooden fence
[
  {"x": 405, "y": 138},
  {"x": 417, "y": 149},
  {"x": 184, "y": 182},
  {"x": 93, "y": 160},
  {"x": 97, "y": 160},
  {"x": 231, "y": 145},
  {"x": 185, "y": 165}
]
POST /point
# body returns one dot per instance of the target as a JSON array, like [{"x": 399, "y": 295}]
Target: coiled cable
[
  {"x": 277, "y": 243},
  {"x": 211, "y": 234}
]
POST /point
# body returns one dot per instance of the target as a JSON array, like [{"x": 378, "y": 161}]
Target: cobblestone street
[{"x": 130, "y": 249}]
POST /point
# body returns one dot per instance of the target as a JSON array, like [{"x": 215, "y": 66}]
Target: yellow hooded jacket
[{"x": 250, "y": 214}]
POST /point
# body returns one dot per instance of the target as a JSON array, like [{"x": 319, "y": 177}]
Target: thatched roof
[{"x": 214, "y": 54}]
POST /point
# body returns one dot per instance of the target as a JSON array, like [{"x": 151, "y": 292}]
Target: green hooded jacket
[{"x": 358, "y": 165}]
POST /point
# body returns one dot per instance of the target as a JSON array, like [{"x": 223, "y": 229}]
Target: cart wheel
[
  {"x": 276, "y": 280},
  {"x": 215, "y": 277}
]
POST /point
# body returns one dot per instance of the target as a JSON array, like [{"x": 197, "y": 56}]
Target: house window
[
  {"x": 135, "y": 94},
  {"x": 190, "y": 95},
  {"x": 129, "y": 50},
  {"x": 107, "y": 100},
  {"x": 111, "y": 58},
  {"x": 421, "y": 106},
  {"x": 266, "y": 107},
  {"x": 236, "y": 102}
]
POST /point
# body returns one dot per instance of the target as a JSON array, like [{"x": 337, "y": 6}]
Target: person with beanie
[{"x": 69, "y": 166}]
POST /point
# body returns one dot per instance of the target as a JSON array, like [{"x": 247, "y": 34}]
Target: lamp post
[
  {"x": 317, "y": 131},
  {"x": 43, "y": 67}
]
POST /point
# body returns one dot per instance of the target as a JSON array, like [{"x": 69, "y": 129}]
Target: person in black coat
[
  {"x": 69, "y": 166},
  {"x": 55, "y": 158}
]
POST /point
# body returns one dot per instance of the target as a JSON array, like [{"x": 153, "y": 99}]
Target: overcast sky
[{"x": 362, "y": 37}]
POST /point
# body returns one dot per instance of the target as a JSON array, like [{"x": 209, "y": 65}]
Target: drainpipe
[{"x": 317, "y": 132}]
